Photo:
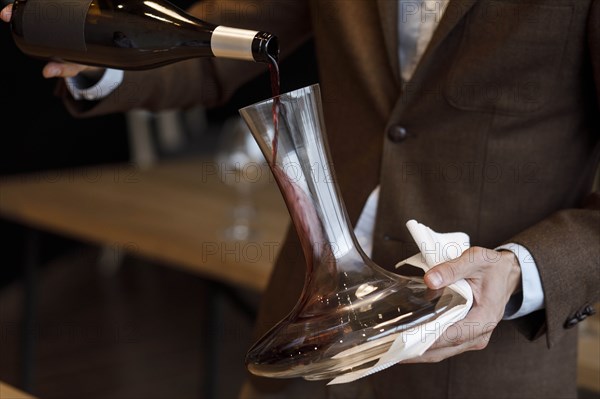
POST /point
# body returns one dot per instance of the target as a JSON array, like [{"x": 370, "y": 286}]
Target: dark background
[{"x": 45, "y": 136}]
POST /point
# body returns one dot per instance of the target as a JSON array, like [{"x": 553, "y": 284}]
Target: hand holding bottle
[
  {"x": 55, "y": 69},
  {"x": 131, "y": 35}
]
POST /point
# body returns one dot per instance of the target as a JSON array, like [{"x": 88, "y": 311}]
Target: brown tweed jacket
[{"x": 497, "y": 135}]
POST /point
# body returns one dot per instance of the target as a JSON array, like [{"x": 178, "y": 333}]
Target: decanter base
[{"x": 323, "y": 343}]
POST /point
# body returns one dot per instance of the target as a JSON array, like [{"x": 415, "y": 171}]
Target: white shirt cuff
[
  {"x": 531, "y": 297},
  {"x": 111, "y": 79}
]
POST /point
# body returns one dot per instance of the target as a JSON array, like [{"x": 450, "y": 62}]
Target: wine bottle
[{"x": 129, "y": 34}]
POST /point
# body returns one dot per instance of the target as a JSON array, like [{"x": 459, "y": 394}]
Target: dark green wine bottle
[{"x": 129, "y": 34}]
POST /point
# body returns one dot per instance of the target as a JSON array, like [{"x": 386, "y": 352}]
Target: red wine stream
[{"x": 301, "y": 208}]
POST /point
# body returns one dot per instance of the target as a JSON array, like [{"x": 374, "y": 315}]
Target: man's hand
[
  {"x": 56, "y": 69},
  {"x": 6, "y": 13},
  {"x": 494, "y": 276}
]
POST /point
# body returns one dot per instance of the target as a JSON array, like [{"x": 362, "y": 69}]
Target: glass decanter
[{"x": 350, "y": 310}]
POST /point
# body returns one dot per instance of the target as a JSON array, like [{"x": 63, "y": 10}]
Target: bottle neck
[{"x": 243, "y": 44}]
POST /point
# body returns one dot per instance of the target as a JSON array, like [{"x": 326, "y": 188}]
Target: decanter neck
[
  {"x": 290, "y": 131},
  {"x": 311, "y": 195}
]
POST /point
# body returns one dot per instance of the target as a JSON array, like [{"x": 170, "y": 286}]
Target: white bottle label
[{"x": 232, "y": 43}]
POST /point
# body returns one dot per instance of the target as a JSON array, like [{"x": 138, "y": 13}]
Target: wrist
[
  {"x": 92, "y": 89},
  {"x": 93, "y": 73},
  {"x": 89, "y": 77},
  {"x": 514, "y": 272}
]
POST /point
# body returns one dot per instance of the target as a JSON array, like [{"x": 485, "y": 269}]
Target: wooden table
[
  {"x": 9, "y": 392},
  {"x": 174, "y": 212}
]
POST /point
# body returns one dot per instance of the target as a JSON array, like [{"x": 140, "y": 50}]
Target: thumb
[
  {"x": 447, "y": 273},
  {"x": 6, "y": 13},
  {"x": 63, "y": 70}
]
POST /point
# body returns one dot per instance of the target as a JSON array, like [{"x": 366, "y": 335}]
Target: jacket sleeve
[
  {"x": 566, "y": 246},
  {"x": 206, "y": 81}
]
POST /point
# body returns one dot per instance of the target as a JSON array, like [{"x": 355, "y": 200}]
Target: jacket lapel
[
  {"x": 456, "y": 11},
  {"x": 388, "y": 13}
]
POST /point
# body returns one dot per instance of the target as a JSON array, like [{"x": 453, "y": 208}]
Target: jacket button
[
  {"x": 570, "y": 323},
  {"x": 581, "y": 316},
  {"x": 589, "y": 310},
  {"x": 397, "y": 133}
]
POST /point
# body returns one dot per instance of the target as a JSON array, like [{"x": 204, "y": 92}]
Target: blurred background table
[{"x": 173, "y": 212}]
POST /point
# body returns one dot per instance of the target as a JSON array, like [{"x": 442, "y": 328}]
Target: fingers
[
  {"x": 492, "y": 276},
  {"x": 469, "y": 265},
  {"x": 470, "y": 334},
  {"x": 6, "y": 13},
  {"x": 62, "y": 70},
  {"x": 467, "y": 333},
  {"x": 437, "y": 355},
  {"x": 447, "y": 273}
]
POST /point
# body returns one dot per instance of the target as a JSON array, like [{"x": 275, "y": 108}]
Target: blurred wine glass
[{"x": 242, "y": 166}]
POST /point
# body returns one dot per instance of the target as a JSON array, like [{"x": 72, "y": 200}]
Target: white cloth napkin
[{"x": 435, "y": 248}]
